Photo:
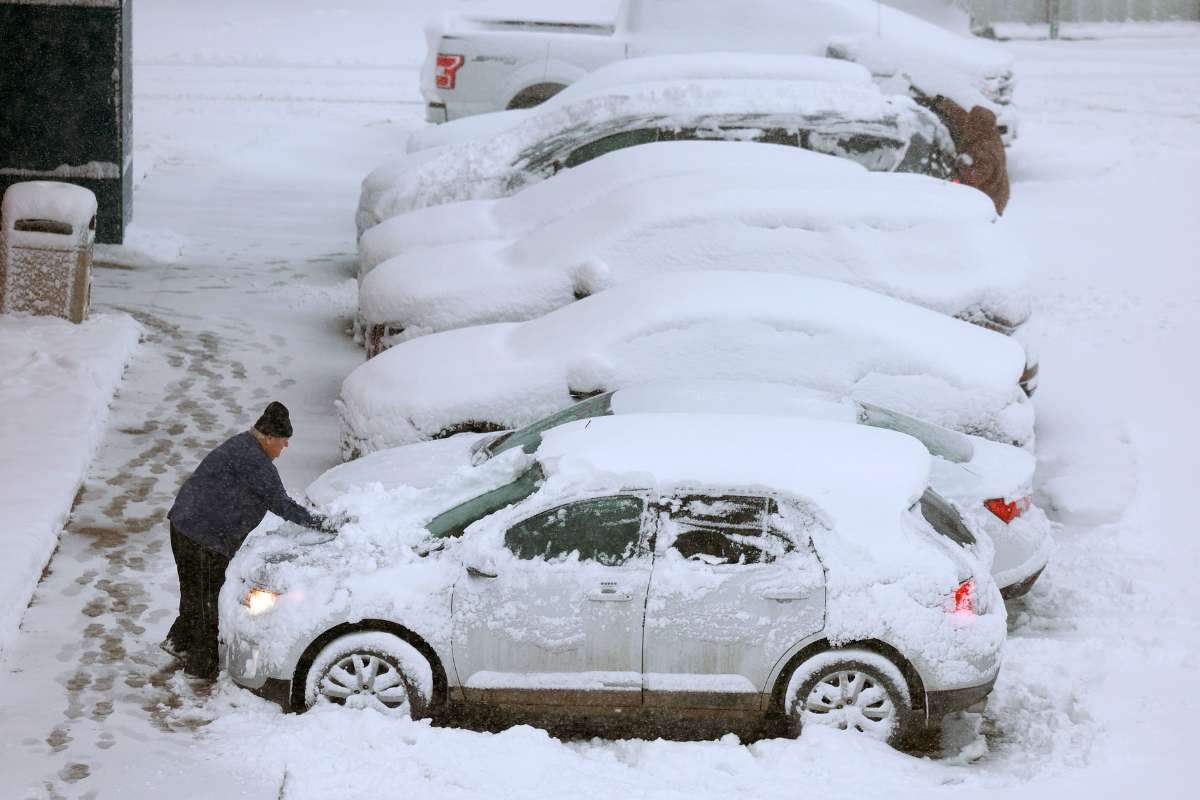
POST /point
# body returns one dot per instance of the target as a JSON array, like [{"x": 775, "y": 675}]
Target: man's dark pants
[{"x": 201, "y": 575}]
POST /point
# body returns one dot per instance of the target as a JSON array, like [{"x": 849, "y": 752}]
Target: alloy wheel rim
[
  {"x": 850, "y": 699},
  {"x": 363, "y": 677}
]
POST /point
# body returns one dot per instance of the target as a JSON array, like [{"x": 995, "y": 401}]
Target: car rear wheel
[
  {"x": 535, "y": 95},
  {"x": 371, "y": 669},
  {"x": 851, "y": 690}
]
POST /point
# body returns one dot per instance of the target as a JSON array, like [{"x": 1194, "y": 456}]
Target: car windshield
[
  {"x": 530, "y": 436},
  {"x": 452, "y": 523},
  {"x": 938, "y": 512}
]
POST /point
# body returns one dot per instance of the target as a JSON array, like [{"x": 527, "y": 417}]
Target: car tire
[
  {"x": 371, "y": 669},
  {"x": 851, "y": 690},
  {"x": 534, "y": 95}
]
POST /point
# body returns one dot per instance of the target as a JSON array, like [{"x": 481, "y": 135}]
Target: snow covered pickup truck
[{"x": 517, "y": 53}]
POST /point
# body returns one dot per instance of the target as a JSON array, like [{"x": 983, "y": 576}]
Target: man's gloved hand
[
  {"x": 334, "y": 522},
  {"x": 981, "y": 160}
]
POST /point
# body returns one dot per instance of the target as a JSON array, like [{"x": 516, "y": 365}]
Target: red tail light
[
  {"x": 964, "y": 597},
  {"x": 447, "y": 70},
  {"x": 1007, "y": 512}
]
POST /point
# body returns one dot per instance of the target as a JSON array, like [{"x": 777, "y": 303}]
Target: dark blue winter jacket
[{"x": 229, "y": 494}]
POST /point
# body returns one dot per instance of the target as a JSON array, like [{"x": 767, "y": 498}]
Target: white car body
[
  {"x": 818, "y": 104},
  {"x": 729, "y": 325},
  {"x": 911, "y": 237},
  {"x": 969, "y": 471},
  {"x": 854, "y": 564},
  {"x": 494, "y": 56}
]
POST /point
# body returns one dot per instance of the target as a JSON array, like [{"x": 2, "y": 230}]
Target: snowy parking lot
[{"x": 241, "y": 273}]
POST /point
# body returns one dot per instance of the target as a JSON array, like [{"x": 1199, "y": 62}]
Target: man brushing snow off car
[{"x": 224, "y": 499}]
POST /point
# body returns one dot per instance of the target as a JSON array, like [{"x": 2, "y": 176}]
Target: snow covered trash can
[{"x": 46, "y": 237}]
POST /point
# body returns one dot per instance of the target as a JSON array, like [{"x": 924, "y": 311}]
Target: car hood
[{"x": 419, "y": 466}]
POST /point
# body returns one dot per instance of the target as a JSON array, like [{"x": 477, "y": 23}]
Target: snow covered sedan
[
  {"x": 911, "y": 237},
  {"x": 576, "y": 189},
  {"x": 819, "y": 104},
  {"x": 637, "y": 564},
  {"x": 728, "y": 325},
  {"x": 989, "y": 484}
]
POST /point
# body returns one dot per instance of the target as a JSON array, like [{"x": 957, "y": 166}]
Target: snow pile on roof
[
  {"x": 712, "y": 66},
  {"x": 733, "y": 397},
  {"x": 908, "y": 236},
  {"x": 574, "y": 189},
  {"x": 58, "y": 379},
  {"x": 493, "y": 167},
  {"x": 729, "y": 325},
  {"x": 862, "y": 478}
]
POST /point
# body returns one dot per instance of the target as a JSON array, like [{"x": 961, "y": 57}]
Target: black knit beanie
[{"x": 275, "y": 421}]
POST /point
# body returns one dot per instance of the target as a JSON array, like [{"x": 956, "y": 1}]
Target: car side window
[
  {"x": 603, "y": 529},
  {"x": 607, "y": 144},
  {"x": 728, "y": 529}
]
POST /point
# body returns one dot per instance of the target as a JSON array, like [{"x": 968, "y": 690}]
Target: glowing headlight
[{"x": 260, "y": 600}]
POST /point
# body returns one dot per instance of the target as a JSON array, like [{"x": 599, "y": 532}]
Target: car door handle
[
  {"x": 603, "y": 596},
  {"x": 784, "y": 597}
]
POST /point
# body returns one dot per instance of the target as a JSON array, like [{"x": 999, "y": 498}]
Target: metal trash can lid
[{"x": 46, "y": 207}]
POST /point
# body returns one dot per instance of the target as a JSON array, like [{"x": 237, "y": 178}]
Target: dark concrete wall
[{"x": 66, "y": 100}]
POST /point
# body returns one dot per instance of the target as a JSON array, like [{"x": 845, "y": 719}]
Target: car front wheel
[
  {"x": 851, "y": 690},
  {"x": 371, "y": 669}
]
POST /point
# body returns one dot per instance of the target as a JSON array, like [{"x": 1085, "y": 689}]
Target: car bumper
[
  {"x": 971, "y": 698},
  {"x": 435, "y": 113},
  {"x": 243, "y": 663},
  {"x": 242, "y": 660},
  {"x": 1015, "y": 579},
  {"x": 1021, "y": 588}
]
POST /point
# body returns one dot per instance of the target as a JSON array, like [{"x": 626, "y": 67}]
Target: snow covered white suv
[{"x": 638, "y": 563}]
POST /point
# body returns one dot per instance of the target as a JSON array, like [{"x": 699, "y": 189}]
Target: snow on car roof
[
  {"x": 702, "y": 396},
  {"x": 861, "y": 477},
  {"x": 574, "y": 188},
  {"x": 462, "y": 171},
  {"x": 710, "y": 66},
  {"x": 740, "y": 326},
  {"x": 909, "y": 236},
  {"x": 992, "y": 469}
]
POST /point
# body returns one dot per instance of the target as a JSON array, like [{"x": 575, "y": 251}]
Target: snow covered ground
[
  {"x": 58, "y": 380},
  {"x": 251, "y": 174}
]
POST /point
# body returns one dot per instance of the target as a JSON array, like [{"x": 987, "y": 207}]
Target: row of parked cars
[{"x": 660, "y": 421}]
